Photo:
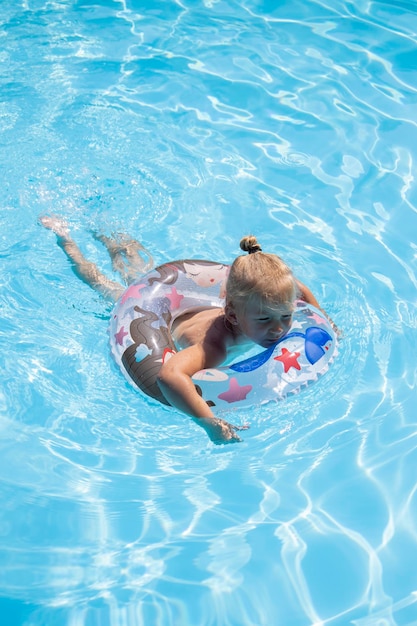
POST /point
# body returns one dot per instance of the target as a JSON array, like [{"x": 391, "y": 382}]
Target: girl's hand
[{"x": 219, "y": 430}]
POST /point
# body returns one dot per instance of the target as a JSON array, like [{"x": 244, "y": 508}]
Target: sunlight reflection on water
[{"x": 188, "y": 128}]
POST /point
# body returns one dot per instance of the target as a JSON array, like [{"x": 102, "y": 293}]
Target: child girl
[{"x": 259, "y": 304}]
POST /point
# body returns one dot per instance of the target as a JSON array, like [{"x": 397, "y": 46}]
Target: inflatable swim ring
[{"x": 141, "y": 341}]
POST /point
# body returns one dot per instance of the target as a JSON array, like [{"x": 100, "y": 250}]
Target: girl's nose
[{"x": 276, "y": 328}]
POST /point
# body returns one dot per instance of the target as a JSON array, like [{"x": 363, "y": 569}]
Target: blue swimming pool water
[{"x": 189, "y": 124}]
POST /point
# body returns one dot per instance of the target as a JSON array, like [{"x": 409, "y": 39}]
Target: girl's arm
[
  {"x": 307, "y": 296},
  {"x": 175, "y": 382}
]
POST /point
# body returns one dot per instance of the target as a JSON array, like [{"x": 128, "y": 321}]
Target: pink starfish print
[
  {"x": 288, "y": 359},
  {"x": 120, "y": 335},
  {"x": 175, "y": 298},
  {"x": 132, "y": 292},
  {"x": 236, "y": 392}
]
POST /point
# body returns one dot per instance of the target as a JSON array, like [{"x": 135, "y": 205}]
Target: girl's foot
[{"x": 57, "y": 224}]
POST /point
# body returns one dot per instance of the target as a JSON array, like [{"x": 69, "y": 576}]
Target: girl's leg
[
  {"x": 128, "y": 256},
  {"x": 85, "y": 270}
]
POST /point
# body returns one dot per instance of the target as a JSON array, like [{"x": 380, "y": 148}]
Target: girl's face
[{"x": 262, "y": 324}]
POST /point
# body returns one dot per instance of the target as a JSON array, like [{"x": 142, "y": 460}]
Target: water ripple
[{"x": 189, "y": 127}]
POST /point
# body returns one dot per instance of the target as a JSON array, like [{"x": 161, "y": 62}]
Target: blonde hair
[{"x": 259, "y": 276}]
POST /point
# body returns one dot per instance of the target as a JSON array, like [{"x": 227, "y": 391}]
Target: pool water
[{"x": 189, "y": 124}]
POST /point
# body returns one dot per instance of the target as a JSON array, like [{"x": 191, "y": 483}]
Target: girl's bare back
[{"x": 192, "y": 327}]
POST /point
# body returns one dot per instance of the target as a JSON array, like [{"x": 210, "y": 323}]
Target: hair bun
[{"x": 250, "y": 244}]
